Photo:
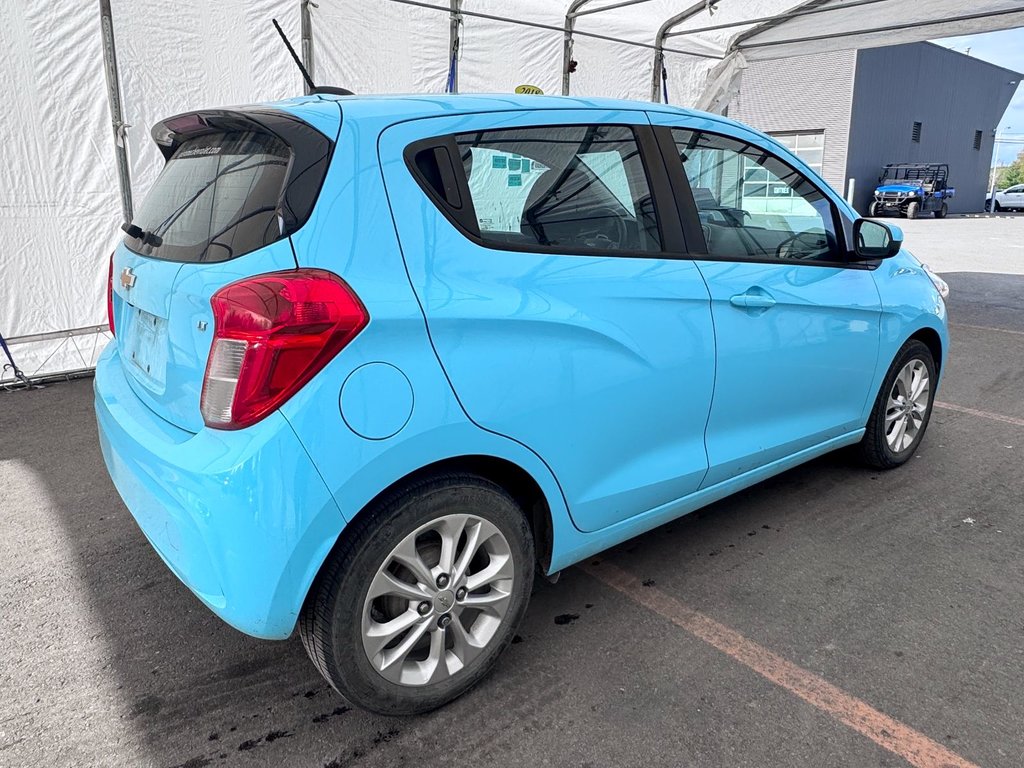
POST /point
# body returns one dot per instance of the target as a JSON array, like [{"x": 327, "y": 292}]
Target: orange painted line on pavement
[
  {"x": 914, "y": 747},
  {"x": 983, "y": 414}
]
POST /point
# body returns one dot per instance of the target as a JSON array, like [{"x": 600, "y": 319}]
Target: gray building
[{"x": 848, "y": 113}]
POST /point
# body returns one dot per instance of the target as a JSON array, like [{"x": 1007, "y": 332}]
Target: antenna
[{"x": 298, "y": 62}]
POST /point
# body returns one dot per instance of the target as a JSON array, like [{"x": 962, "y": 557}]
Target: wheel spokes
[
  {"x": 920, "y": 384},
  {"x": 377, "y": 635},
  {"x": 435, "y": 668},
  {"x": 499, "y": 568},
  {"x": 464, "y": 646},
  {"x": 407, "y": 554},
  {"x": 493, "y": 602},
  {"x": 450, "y": 530},
  {"x": 907, "y": 406},
  {"x": 413, "y": 632},
  {"x": 386, "y": 584},
  {"x": 473, "y": 542},
  {"x": 394, "y": 658}
]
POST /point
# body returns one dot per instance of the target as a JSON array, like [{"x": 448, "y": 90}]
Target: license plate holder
[{"x": 146, "y": 348}]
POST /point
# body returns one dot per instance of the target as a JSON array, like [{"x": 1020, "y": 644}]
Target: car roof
[{"x": 402, "y": 107}]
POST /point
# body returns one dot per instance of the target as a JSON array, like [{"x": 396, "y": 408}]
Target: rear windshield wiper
[{"x": 147, "y": 238}]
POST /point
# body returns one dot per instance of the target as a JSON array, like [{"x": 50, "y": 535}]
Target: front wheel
[
  {"x": 418, "y": 600},
  {"x": 912, "y": 210},
  {"x": 902, "y": 409},
  {"x": 873, "y": 210}
]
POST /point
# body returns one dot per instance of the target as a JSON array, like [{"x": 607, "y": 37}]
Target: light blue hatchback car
[{"x": 377, "y": 360}]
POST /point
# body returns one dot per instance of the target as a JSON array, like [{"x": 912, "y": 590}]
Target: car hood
[{"x": 898, "y": 188}]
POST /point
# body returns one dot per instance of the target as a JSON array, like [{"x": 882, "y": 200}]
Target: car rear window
[{"x": 225, "y": 193}]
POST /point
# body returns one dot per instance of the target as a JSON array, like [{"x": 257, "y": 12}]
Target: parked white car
[{"x": 1010, "y": 199}]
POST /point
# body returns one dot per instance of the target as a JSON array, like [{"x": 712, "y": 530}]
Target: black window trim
[
  {"x": 673, "y": 240},
  {"x": 687, "y": 207},
  {"x": 311, "y": 150}
]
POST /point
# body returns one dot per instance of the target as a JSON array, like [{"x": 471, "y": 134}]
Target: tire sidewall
[{"x": 358, "y": 679}]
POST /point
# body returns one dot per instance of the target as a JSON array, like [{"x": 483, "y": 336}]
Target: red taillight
[
  {"x": 272, "y": 334},
  {"x": 110, "y": 295}
]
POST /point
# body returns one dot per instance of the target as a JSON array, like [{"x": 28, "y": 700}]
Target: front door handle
[{"x": 752, "y": 300}]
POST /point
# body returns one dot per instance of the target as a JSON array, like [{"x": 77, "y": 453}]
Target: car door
[
  {"x": 1013, "y": 197},
  {"x": 546, "y": 255},
  {"x": 796, "y": 325}
]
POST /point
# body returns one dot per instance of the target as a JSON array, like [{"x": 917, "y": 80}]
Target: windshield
[{"x": 218, "y": 197}]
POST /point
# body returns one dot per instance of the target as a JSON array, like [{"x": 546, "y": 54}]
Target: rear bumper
[{"x": 242, "y": 518}]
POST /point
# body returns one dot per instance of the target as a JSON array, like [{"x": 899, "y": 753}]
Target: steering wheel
[
  {"x": 599, "y": 236},
  {"x": 803, "y": 245}
]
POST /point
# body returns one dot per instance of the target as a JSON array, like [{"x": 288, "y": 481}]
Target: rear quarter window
[{"x": 562, "y": 188}]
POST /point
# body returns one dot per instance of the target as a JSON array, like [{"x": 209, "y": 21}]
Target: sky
[{"x": 1005, "y": 48}]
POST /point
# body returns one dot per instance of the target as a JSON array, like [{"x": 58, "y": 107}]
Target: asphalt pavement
[{"x": 832, "y": 616}]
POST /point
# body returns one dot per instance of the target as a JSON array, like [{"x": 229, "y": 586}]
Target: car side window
[
  {"x": 574, "y": 187},
  {"x": 752, "y": 205}
]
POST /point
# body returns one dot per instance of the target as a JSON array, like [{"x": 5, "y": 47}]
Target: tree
[{"x": 1011, "y": 174}]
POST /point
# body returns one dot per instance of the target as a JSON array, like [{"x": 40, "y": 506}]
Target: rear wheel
[
  {"x": 941, "y": 213},
  {"x": 417, "y": 602},
  {"x": 902, "y": 409},
  {"x": 912, "y": 210},
  {"x": 873, "y": 210}
]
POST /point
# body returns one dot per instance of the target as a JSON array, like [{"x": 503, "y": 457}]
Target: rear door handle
[{"x": 752, "y": 301}]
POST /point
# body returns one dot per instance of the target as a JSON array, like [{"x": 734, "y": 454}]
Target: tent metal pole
[
  {"x": 574, "y": 12},
  {"x": 570, "y": 25},
  {"x": 554, "y": 28},
  {"x": 804, "y": 9},
  {"x": 455, "y": 44},
  {"x": 886, "y": 28},
  {"x": 659, "y": 46},
  {"x": 116, "y": 112},
  {"x": 306, "y": 40},
  {"x": 612, "y": 7}
]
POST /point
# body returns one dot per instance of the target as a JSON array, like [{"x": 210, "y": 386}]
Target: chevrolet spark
[{"x": 378, "y": 360}]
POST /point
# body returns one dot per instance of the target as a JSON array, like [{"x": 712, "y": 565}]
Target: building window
[
  {"x": 915, "y": 135},
  {"x": 977, "y": 140},
  {"x": 809, "y": 146}
]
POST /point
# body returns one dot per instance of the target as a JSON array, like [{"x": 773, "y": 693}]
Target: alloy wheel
[
  {"x": 437, "y": 600},
  {"x": 907, "y": 406}
]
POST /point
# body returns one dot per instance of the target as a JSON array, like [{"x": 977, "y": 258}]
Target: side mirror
[{"x": 875, "y": 240}]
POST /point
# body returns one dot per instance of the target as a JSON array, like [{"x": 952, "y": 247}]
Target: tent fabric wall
[{"x": 61, "y": 207}]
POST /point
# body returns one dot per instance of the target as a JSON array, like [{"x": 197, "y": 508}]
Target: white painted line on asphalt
[
  {"x": 986, "y": 328},
  {"x": 983, "y": 414}
]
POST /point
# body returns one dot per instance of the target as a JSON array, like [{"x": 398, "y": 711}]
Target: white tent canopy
[{"x": 62, "y": 205}]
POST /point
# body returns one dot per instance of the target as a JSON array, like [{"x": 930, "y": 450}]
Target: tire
[
  {"x": 988, "y": 206},
  {"x": 941, "y": 213},
  {"x": 884, "y": 451},
  {"x": 339, "y": 616},
  {"x": 998, "y": 207},
  {"x": 873, "y": 210},
  {"x": 912, "y": 210}
]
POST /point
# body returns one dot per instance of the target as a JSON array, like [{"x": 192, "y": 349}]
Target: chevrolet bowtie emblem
[{"x": 127, "y": 278}]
